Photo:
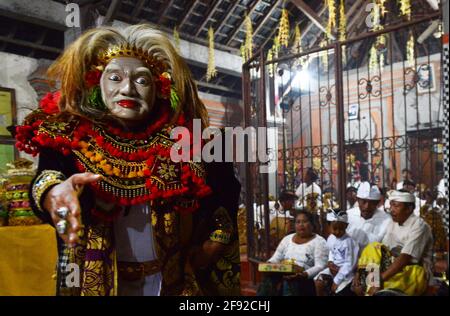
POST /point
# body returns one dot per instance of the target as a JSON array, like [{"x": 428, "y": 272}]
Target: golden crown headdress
[{"x": 156, "y": 66}]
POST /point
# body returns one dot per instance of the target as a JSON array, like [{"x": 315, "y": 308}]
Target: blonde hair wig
[{"x": 85, "y": 53}]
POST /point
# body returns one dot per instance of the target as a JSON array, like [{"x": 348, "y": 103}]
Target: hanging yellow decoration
[
  {"x": 324, "y": 54},
  {"x": 343, "y": 29},
  {"x": 269, "y": 59},
  {"x": 342, "y": 22},
  {"x": 376, "y": 16},
  {"x": 381, "y": 4},
  {"x": 276, "y": 46},
  {"x": 248, "y": 44},
  {"x": 405, "y": 8},
  {"x": 373, "y": 58},
  {"x": 382, "y": 62},
  {"x": 242, "y": 49},
  {"x": 331, "y": 4},
  {"x": 297, "y": 46},
  {"x": 410, "y": 55},
  {"x": 211, "y": 71},
  {"x": 176, "y": 37},
  {"x": 317, "y": 164},
  {"x": 377, "y": 57},
  {"x": 283, "y": 29}
]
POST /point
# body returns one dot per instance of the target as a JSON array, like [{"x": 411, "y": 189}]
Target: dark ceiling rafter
[
  {"x": 165, "y": 8},
  {"x": 187, "y": 37},
  {"x": 310, "y": 25},
  {"x": 227, "y": 16},
  {"x": 238, "y": 28},
  {"x": 112, "y": 10},
  {"x": 188, "y": 13},
  {"x": 192, "y": 18},
  {"x": 311, "y": 14},
  {"x": 266, "y": 17},
  {"x": 138, "y": 8},
  {"x": 30, "y": 44},
  {"x": 351, "y": 18},
  {"x": 10, "y": 35},
  {"x": 209, "y": 14}
]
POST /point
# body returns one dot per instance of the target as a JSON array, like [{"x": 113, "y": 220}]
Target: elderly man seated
[{"x": 402, "y": 261}]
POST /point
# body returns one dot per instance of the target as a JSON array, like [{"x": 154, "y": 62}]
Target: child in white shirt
[{"x": 342, "y": 259}]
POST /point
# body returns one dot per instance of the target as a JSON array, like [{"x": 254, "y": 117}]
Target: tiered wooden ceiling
[{"x": 192, "y": 18}]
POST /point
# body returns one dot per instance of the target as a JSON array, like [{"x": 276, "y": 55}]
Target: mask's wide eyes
[
  {"x": 115, "y": 77},
  {"x": 142, "y": 80}
]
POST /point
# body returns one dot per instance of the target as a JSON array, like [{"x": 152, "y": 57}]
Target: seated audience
[
  {"x": 342, "y": 259},
  {"x": 367, "y": 223},
  {"x": 402, "y": 261},
  {"x": 307, "y": 250}
]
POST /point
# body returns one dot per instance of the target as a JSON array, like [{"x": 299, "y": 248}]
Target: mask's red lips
[{"x": 127, "y": 103}]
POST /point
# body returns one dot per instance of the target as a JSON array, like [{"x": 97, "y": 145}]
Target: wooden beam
[
  {"x": 188, "y": 13},
  {"x": 359, "y": 15},
  {"x": 163, "y": 12},
  {"x": 306, "y": 9},
  {"x": 33, "y": 20},
  {"x": 112, "y": 10},
  {"x": 270, "y": 37},
  {"x": 227, "y": 16},
  {"x": 362, "y": 8},
  {"x": 272, "y": 8},
  {"x": 11, "y": 33},
  {"x": 237, "y": 29},
  {"x": 138, "y": 8},
  {"x": 217, "y": 87},
  {"x": 209, "y": 14},
  {"x": 42, "y": 36},
  {"x": 183, "y": 35},
  {"x": 30, "y": 44}
]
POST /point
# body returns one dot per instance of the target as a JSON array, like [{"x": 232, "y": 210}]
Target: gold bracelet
[
  {"x": 220, "y": 236},
  {"x": 43, "y": 182}
]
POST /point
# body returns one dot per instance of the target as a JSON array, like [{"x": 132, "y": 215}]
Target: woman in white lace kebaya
[{"x": 307, "y": 250}]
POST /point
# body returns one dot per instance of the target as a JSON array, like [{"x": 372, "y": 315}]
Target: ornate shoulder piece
[{"x": 42, "y": 130}]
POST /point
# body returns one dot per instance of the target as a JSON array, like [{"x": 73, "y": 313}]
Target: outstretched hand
[{"x": 66, "y": 195}]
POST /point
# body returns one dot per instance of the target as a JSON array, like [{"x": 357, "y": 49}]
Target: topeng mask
[{"x": 128, "y": 89}]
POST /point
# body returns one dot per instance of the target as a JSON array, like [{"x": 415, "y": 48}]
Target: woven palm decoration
[
  {"x": 176, "y": 37},
  {"x": 283, "y": 29},
  {"x": 211, "y": 71},
  {"x": 248, "y": 37}
]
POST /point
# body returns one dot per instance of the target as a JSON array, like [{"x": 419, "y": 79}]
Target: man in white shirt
[
  {"x": 410, "y": 242},
  {"x": 406, "y": 175},
  {"x": 309, "y": 180},
  {"x": 441, "y": 189},
  {"x": 367, "y": 223},
  {"x": 281, "y": 218},
  {"x": 351, "y": 197}
]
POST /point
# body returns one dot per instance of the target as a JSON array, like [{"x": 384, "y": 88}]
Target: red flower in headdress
[
  {"x": 92, "y": 78},
  {"x": 164, "y": 83},
  {"x": 49, "y": 103}
]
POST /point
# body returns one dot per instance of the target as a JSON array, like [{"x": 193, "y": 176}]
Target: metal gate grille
[{"x": 349, "y": 116}]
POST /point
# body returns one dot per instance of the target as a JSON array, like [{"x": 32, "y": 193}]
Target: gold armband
[
  {"x": 220, "y": 236},
  {"x": 46, "y": 180},
  {"x": 223, "y": 226}
]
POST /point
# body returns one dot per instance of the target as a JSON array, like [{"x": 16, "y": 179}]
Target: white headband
[
  {"x": 332, "y": 216},
  {"x": 368, "y": 192},
  {"x": 404, "y": 197}
]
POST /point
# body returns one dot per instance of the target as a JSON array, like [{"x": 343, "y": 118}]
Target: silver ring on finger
[
  {"x": 62, "y": 212},
  {"x": 61, "y": 227}
]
